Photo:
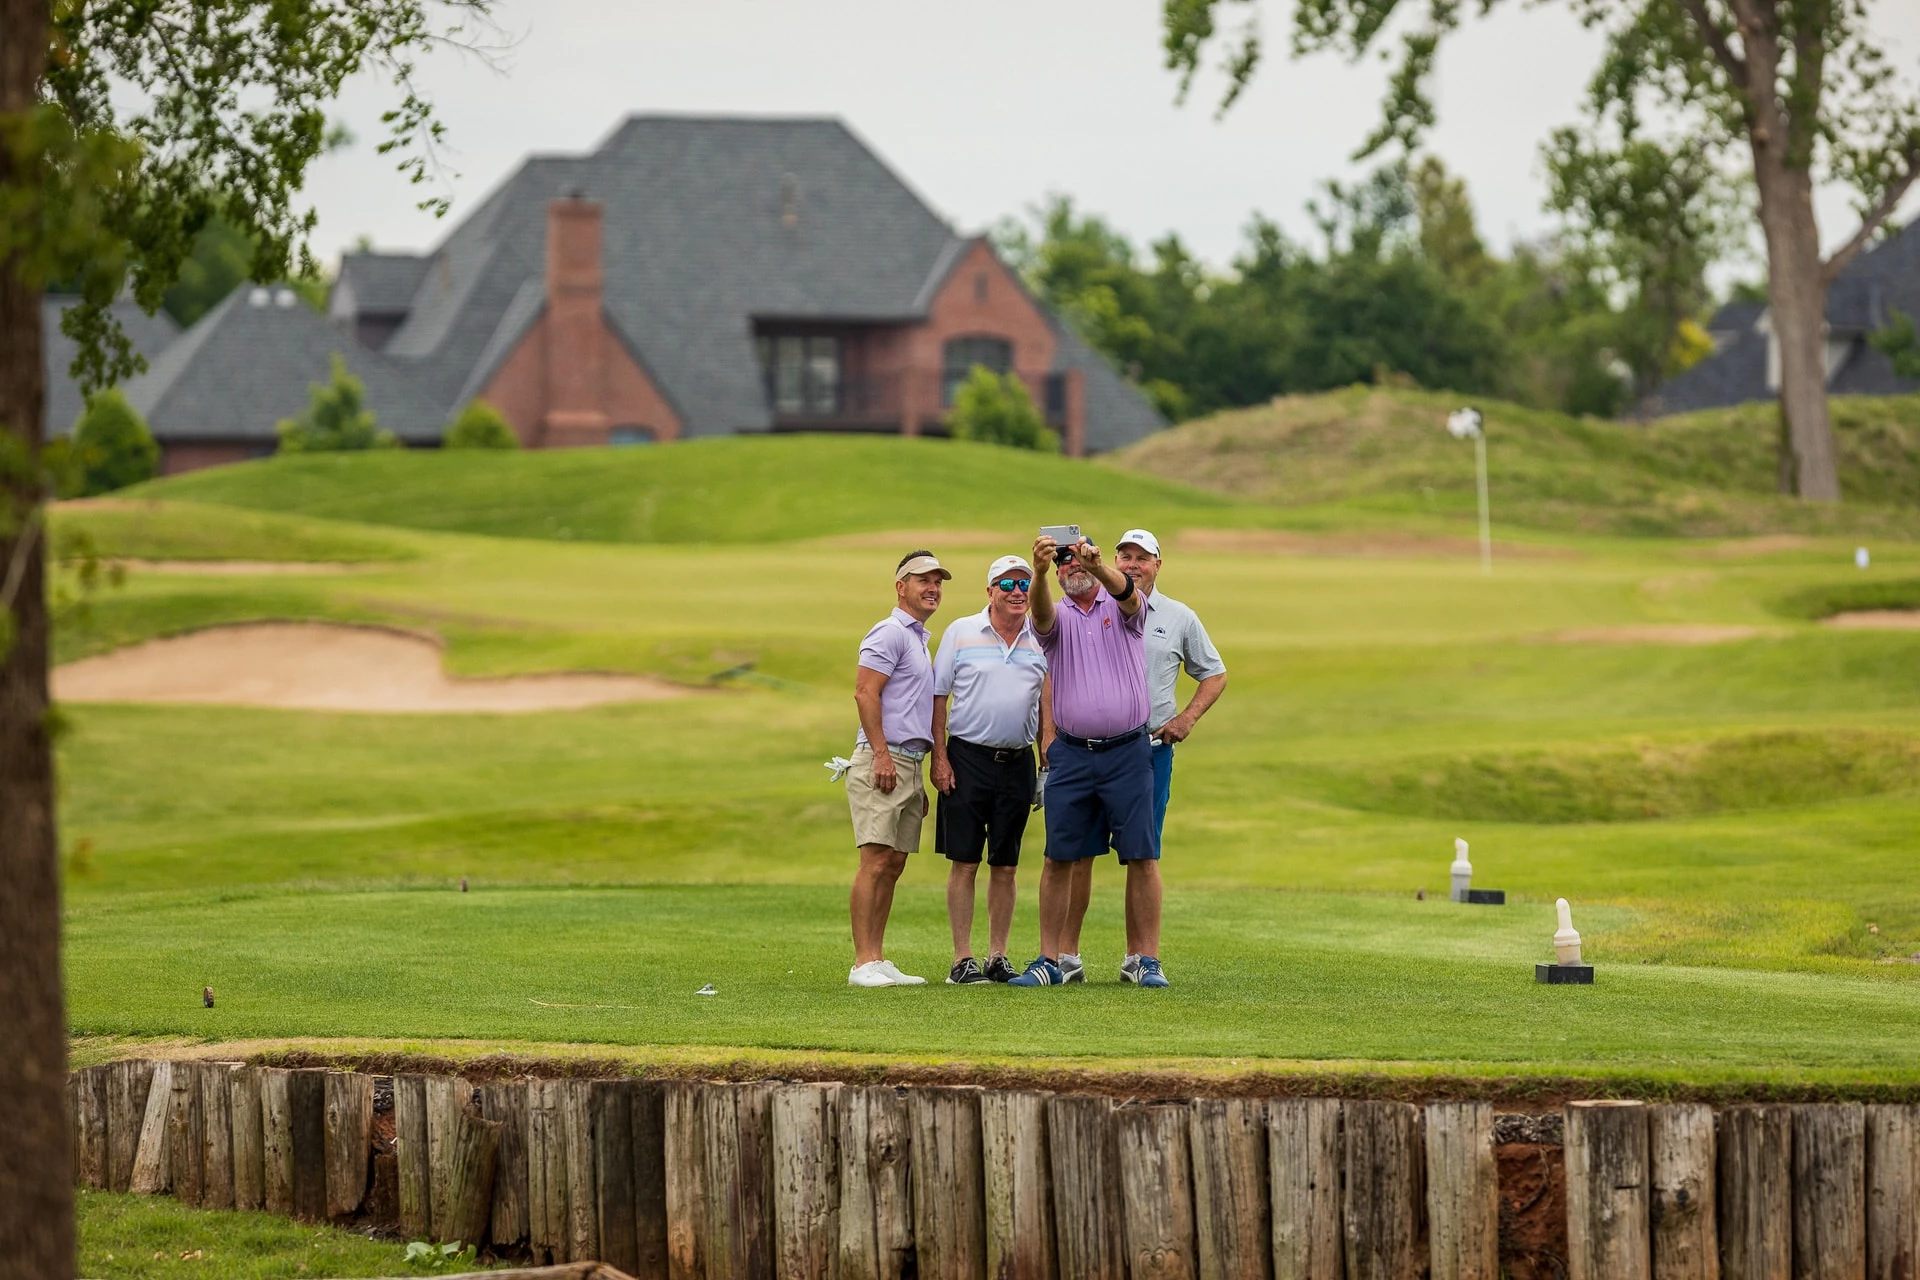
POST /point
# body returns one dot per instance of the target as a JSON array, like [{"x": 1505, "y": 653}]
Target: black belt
[
  {"x": 1097, "y": 745},
  {"x": 1000, "y": 754}
]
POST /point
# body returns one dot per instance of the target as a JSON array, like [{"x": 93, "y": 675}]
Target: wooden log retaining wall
[{"x": 680, "y": 1180}]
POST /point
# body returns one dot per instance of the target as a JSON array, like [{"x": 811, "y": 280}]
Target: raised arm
[
  {"x": 1040, "y": 599},
  {"x": 1109, "y": 577}
]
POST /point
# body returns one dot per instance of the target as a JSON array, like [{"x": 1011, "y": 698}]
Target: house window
[
  {"x": 631, "y": 435},
  {"x": 802, "y": 374},
  {"x": 962, "y": 354}
]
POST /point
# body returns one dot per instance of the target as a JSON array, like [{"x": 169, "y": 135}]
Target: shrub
[
  {"x": 1829, "y": 599},
  {"x": 996, "y": 409},
  {"x": 480, "y": 426},
  {"x": 111, "y": 448},
  {"x": 336, "y": 419}
]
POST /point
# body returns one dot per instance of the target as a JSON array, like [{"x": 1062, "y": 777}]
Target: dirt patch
[
  {"x": 1875, "y": 620},
  {"x": 1765, "y": 544},
  {"x": 243, "y": 568},
  {"x": 1287, "y": 542},
  {"x": 315, "y": 667},
  {"x": 1657, "y": 633},
  {"x": 1533, "y": 1210}
]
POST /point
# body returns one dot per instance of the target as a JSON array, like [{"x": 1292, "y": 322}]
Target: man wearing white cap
[
  {"x": 893, "y": 691},
  {"x": 1176, "y": 640},
  {"x": 987, "y": 711}
]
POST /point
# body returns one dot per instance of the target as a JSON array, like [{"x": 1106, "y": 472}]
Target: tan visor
[{"x": 922, "y": 564}]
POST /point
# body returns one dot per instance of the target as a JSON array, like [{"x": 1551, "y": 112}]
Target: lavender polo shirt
[
  {"x": 897, "y": 649},
  {"x": 1098, "y": 657}
]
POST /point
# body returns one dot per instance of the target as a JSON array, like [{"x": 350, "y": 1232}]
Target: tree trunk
[
  {"x": 1796, "y": 297},
  {"x": 36, "y": 1161}
]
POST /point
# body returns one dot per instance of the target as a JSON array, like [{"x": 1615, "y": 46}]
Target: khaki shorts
[{"x": 882, "y": 817}]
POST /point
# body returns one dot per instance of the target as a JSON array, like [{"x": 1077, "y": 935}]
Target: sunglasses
[{"x": 1014, "y": 584}]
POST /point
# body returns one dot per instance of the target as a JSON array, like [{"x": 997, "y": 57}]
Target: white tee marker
[
  {"x": 1462, "y": 871},
  {"x": 1566, "y": 943}
]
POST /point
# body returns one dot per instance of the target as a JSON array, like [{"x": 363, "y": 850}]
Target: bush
[
  {"x": 336, "y": 419},
  {"x": 480, "y": 426},
  {"x": 111, "y": 448},
  {"x": 996, "y": 409},
  {"x": 1830, "y": 599}
]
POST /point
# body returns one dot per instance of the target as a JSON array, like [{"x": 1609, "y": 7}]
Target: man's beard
[{"x": 1078, "y": 583}]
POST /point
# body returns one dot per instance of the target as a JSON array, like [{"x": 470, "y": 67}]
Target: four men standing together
[{"x": 1090, "y": 681}]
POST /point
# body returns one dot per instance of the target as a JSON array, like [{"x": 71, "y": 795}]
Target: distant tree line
[{"x": 1399, "y": 287}]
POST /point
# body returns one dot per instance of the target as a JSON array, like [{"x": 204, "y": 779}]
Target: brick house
[{"x": 690, "y": 277}]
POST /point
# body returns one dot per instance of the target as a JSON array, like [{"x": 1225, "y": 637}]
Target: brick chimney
[{"x": 575, "y": 331}]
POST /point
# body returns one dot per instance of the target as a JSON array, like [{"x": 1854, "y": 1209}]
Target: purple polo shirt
[
  {"x": 897, "y": 649},
  {"x": 1098, "y": 657}
]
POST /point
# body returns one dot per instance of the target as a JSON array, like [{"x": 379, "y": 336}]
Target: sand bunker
[
  {"x": 314, "y": 667},
  {"x": 1656, "y": 633},
  {"x": 1876, "y": 620}
]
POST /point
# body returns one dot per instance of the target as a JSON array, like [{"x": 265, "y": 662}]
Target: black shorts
[{"x": 992, "y": 798}]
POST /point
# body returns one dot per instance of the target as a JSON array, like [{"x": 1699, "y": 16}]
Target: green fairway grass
[{"x": 1733, "y": 821}]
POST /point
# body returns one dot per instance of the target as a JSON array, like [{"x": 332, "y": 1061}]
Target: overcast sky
[{"x": 988, "y": 106}]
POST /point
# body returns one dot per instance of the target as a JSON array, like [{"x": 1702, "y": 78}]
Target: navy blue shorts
[{"x": 1090, "y": 793}]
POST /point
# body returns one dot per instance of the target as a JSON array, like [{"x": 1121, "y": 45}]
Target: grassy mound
[
  {"x": 1639, "y": 781},
  {"x": 1709, "y": 473},
  {"x": 156, "y": 530},
  {"x": 1830, "y": 599},
  {"x": 738, "y": 489}
]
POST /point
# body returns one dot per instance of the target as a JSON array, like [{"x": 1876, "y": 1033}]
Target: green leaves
[
  {"x": 336, "y": 420},
  {"x": 994, "y": 408}
]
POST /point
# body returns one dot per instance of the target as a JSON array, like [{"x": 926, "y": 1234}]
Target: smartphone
[{"x": 1065, "y": 536}]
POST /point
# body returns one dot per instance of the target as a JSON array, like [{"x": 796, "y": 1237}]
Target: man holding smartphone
[{"x": 1101, "y": 766}]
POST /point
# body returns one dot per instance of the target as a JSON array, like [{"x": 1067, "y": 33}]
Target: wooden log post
[
  {"x": 187, "y": 1134},
  {"x": 739, "y": 1180},
  {"x": 1893, "y": 1192},
  {"x": 249, "y": 1133},
  {"x": 1609, "y": 1192},
  {"x": 307, "y": 1104},
  {"x": 1463, "y": 1192},
  {"x": 1085, "y": 1164},
  {"x": 806, "y": 1180},
  {"x": 610, "y": 1122},
  {"x": 547, "y": 1170},
  {"x": 684, "y": 1138},
  {"x": 1156, "y": 1191},
  {"x": 470, "y": 1150},
  {"x": 1830, "y": 1192},
  {"x": 507, "y": 1105},
  {"x": 649, "y": 1180},
  {"x": 152, "y": 1171},
  {"x": 1686, "y": 1237},
  {"x": 876, "y": 1201},
  {"x": 583, "y": 1206},
  {"x": 1754, "y": 1147},
  {"x": 1305, "y": 1163},
  {"x": 1018, "y": 1186},
  {"x": 127, "y": 1083},
  {"x": 1232, "y": 1207},
  {"x": 411, "y": 1165},
  {"x": 349, "y": 1140},
  {"x": 1385, "y": 1170},
  {"x": 216, "y": 1113},
  {"x": 949, "y": 1188},
  {"x": 90, "y": 1126},
  {"x": 447, "y": 1098},
  {"x": 276, "y": 1141}
]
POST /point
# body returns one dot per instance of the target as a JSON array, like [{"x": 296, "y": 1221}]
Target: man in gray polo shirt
[{"x": 1176, "y": 640}]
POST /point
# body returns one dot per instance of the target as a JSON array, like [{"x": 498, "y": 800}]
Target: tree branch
[
  {"x": 17, "y": 562},
  {"x": 1873, "y": 220},
  {"x": 1716, "y": 40}
]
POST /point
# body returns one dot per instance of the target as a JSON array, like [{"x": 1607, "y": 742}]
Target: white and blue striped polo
[{"x": 993, "y": 687}]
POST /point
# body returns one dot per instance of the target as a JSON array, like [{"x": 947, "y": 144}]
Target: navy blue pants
[
  {"x": 1162, "y": 796},
  {"x": 1093, "y": 793}
]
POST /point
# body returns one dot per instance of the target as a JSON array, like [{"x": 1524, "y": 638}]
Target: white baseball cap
[
  {"x": 1004, "y": 563},
  {"x": 1142, "y": 539}
]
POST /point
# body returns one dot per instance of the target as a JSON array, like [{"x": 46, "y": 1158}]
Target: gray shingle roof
[
  {"x": 243, "y": 367},
  {"x": 1117, "y": 413},
  {"x": 381, "y": 283},
  {"x": 149, "y": 334}
]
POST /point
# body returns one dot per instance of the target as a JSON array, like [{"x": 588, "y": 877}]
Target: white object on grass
[
  {"x": 871, "y": 974},
  {"x": 1566, "y": 943},
  {"x": 1860, "y": 558},
  {"x": 837, "y": 768},
  {"x": 1462, "y": 871},
  {"x": 708, "y": 990},
  {"x": 1467, "y": 424}
]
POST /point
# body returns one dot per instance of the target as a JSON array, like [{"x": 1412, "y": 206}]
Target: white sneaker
[
  {"x": 900, "y": 979},
  {"x": 1130, "y": 968},
  {"x": 874, "y": 973},
  {"x": 1072, "y": 969}
]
